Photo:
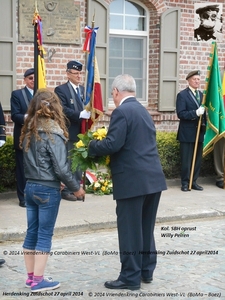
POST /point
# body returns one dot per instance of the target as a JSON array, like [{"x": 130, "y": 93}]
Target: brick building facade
[{"x": 192, "y": 55}]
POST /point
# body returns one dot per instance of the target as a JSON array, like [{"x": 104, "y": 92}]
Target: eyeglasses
[
  {"x": 76, "y": 73},
  {"x": 31, "y": 78}
]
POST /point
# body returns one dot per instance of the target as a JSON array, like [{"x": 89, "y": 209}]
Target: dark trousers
[
  {"x": 135, "y": 222},
  {"x": 218, "y": 156},
  {"x": 77, "y": 175},
  {"x": 20, "y": 177},
  {"x": 186, "y": 154}
]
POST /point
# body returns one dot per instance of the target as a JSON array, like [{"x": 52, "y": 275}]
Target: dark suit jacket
[
  {"x": 131, "y": 143},
  {"x": 18, "y": 110},
  {"x": 2, "y": 125},
  {"x": 186, "y": 106},
  {"x": 71, "y": 111}
]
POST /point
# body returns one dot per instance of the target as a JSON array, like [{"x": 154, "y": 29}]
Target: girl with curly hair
[{"x": 43, "y": 140}]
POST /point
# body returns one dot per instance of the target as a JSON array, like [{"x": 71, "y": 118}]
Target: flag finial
[
  {"x": 93, "y": 20},
  {"x": 36, "y": 9}
]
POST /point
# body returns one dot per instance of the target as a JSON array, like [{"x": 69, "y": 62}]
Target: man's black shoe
[
  {"x": 22, "y": 204},
  {"x": 117, "y": 285},
  {"x": 197, "y": 187},
  {"x": 220, "y": 184},
  {"x": 2, "y": 261},
  {"x": 184, "y": 188},
  {"x": 147, "y": 280}
]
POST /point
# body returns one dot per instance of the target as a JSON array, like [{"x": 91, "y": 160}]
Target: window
[{"x": 128, "y": 45}]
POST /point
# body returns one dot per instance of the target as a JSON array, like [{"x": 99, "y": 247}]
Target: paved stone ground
[
  {"x": 195, "y": 271},
  {"x": 98, "y": 212}
]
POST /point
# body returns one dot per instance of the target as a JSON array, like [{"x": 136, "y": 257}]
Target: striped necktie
[
  {"x": 78, "y": 94},
  {"x": 197, "y": 96}
]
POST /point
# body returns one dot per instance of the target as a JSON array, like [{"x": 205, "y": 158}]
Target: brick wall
[{"x": 193, "y": 55}]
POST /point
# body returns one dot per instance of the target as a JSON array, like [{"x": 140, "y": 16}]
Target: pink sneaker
[{"x": 30, "y": 281}]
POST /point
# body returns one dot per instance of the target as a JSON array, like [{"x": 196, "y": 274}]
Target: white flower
[{"x": 97, "y": 184}]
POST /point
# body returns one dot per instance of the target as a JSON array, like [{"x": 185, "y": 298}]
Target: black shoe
[
  {"x": 2, "y": 261},
  {"x": 185, "y": 188},
  {"x": 146, "y": 280},
  {"x": 220, "y": 184},
  {"x": 69, "y": 197},
  {"x": 197, "y": 187},
  {"x": 117, "y": 285},
  {"x": 22, "y": 204}
]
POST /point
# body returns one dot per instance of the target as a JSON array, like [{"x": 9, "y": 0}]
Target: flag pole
[
  {"x": 35, "y": 49},
  {"x": 196, "y": 147},
  {"x": 199, "y": 126},
  {"x": 92, "y": 26},
  {"x": 86, "y": 123}
]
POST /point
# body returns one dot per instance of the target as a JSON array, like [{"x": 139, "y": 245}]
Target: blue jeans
[{"x": 42, "y": 209}]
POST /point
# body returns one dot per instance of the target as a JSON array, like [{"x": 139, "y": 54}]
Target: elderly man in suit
[
  {"x": 19, "y": 103},
  {"x": 189, "y": 109},
  {"x": 138, "y": 181},
  {"x": 71, "y": 95},
  {"x": 2, "y": 142}
]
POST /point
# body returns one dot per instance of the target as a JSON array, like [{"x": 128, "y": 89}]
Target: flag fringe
[
  {"x": 210, "y": 146},
  {"x": 213, "y": 101}
]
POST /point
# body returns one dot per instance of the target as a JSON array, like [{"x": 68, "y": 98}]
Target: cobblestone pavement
[{"x": 191, "y": 265}]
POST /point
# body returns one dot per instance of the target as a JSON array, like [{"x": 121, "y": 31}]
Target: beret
[
  {"x": 29, "y": 72},
  {"x": 192, "y": 73},
  {"x": 200, "y": 10},
  {"x": 73, "y": 64}
]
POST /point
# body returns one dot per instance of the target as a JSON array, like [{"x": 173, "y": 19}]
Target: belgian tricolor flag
[{"x": 39, "y": 63}]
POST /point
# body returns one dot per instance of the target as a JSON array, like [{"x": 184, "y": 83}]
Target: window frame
[{"x": 135, "y": 33}]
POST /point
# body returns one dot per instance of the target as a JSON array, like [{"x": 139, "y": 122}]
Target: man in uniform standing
[
  {"x": 71, "y": 95},
  {"x": 19, "y": 104},
  {"x": 189, "y": 109}
]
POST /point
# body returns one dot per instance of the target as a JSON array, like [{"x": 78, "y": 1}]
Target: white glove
[
  {"x": 2, "y": 143},
  {"x": 84, "y": 114},
  {"x": 200, "y": 111}
]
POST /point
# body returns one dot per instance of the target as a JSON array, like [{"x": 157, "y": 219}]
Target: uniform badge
[{"x": 71, "y": 101}]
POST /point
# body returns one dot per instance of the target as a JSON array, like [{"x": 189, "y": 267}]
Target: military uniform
[
  {"x": 208, "y": 14},
  {"x": 2, "y": 127}
]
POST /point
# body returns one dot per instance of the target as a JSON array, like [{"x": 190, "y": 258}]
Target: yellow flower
[
  {"x": 107, "y": 160},
  {"x": 80, "y": 144},
  {"x": 100, "y": 133},
  {"x": 106, "y": 183},
  {"x": 103, "y": 188}
]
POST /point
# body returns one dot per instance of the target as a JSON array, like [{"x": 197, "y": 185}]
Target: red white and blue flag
[{"x": 93, "y": 98}]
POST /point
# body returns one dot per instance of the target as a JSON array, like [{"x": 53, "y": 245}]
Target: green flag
[{"x": 213, "y": 100}]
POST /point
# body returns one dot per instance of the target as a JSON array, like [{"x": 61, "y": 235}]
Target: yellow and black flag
[{"x": 39, "y": 63}]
